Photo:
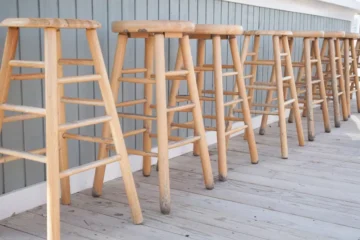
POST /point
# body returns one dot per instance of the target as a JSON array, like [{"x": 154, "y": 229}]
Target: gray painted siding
[{"x": 30, "y": 134}]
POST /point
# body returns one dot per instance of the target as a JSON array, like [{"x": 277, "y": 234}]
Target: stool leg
[
  {"x": 290, "y": 71},
  {"x": 175, "y": 85},
  {"x": 116, "y": 73},
  {"x": 269, "y": 97},
  {"x": 254, "y": 68},
  {"x": 355, "y": 71},
  {"x": 347, "y": 74},
  {"x": 197, "y": 115},
  {"x": 245, "y": 104},
  {"x": 281, "y": 107},
  {"x": 243, "y": 56},
  {"x": 163, "y": 158},
  {"x": 319, "y": 73},
  {"x": 148, "y": 94},
  {"x": 334, "y": 83},
  {"x": 11, "y": 42},
  {"x": 52, "y": 135},
  {"x": 200, "y": 81},
  {"x": 309, "y": 86},
  {"x": 344, "y": 107},
  {"x": 219, "y": 102},
  {"x": 300, "y": 74},
  {"x": 64, "y": 161},
  {"x": 115, "y": 127}
]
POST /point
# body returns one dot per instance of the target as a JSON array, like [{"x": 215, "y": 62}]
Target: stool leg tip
[
  {"x": 222, "y": 178},
  {"x": 284, "y": 157},
  {"x": 328, "y": 130},
  {"x": 210, "y": 186},
  {"x": 311, "y": 138},
  {"x": 95, "y": 194},
  {"x": 255, "y": 162},
  {"x": 165, "y": 208},
  {"x": 337, "y": 125},
  {"x": 262, "y": 131}
]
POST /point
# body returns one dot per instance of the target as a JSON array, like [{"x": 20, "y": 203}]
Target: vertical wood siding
[{"x": 30, "y": 134}]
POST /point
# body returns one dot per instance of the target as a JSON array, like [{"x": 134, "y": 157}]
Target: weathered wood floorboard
[{"x": 314, "y": 194}]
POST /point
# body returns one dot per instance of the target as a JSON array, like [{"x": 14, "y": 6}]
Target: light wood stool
[
  {"x": 312, "y": 86},
  {"x": 223, "y": 128},
  {"x": 333, "y": 74},
  {"x": 56, "y": 127},
  {"x": 350, "y": 61},
  {"x": 154, "y": 33},
  {"x": 278, "y": 83}
]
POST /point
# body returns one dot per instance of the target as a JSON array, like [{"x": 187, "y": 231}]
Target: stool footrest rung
[
  {"x": 176, "y": 73},
  {"x": 76, "y": 61},
  {"x": 87, "y": 138},
  {"x": 137, "y": 80},
  {"x": 27, "y": 76},
  {"x": 27, "y": 64},
  {"x": 316, "y": 81},
  {"x": 229, "y": 74},
  {"x": 14, "y": 155},
  {"x": 287, "y": 78},
  {"x": 130, "y": 103},
  {"x": 23, "y": 109},
  {"x": 133, "y": 70},
  {"x": 89, "y": 166},
  {"x": 235, "y": 130},
  {"x": 136, "y": 116},
  {"x": 182, "y": 98},
  {"x": 21, "y": 117},
  {"x": 79, "y": 79},
  {"x": 259, "y": 87},
  {"x": 316, "y": 102},
  {"x": 235, "y": 101},
  {"x": 84, "y": 123},
  {"x": 232, "y": 119},
  {"x": 141, "y": 153},
  {"x": 82, "y": 101},
  {"x": 184, "y": 142},
  {"x": 134, "y": 132},
  {"x": 188, "y": 125},
  {"x": 227, "y": 93},
  {"x": 259, "y": 112},
  {"x": 288, "y": 102},
  {"x": 181, "y": 108}
]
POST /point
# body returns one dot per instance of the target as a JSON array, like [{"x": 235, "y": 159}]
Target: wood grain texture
[{"x": 312, "y": 195}]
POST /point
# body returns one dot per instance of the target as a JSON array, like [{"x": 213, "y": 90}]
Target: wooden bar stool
[
  {"x": 154, "y": 33},
  {"x": 333, "y": 74},
  {"x": 56, "y": 126},
  {"x": 350, "y": 66},
  {"x": 278, "y": 83},
  {"x": 312, "y": 86},
  {"x": 223, "y": 129}
]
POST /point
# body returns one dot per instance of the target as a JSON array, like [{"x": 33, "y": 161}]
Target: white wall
[{"x": 340, "y": 9}]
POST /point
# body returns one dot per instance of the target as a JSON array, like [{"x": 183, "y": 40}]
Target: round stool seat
[
  {"x": 49, "y": 23},
  {"x": 269, "y": 33},
  {"x": 218, "y": 29},
  {"x": 308, "y": 34},
  {"x": 352, "y": 35},
  {"x": 152, "y": 26},
  {"x": 338, "y": 34}
]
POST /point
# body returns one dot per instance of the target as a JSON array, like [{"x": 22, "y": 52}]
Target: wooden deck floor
[{"x": 315, "y": 194}]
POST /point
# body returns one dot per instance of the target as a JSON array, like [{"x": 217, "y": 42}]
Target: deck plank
[{"x": 312, "y": 195}]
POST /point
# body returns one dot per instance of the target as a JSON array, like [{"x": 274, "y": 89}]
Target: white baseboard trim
[{"x": 33, "y": 196}]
